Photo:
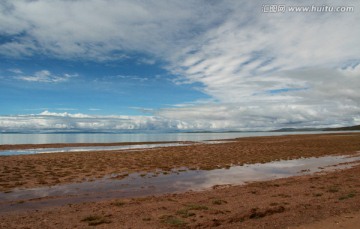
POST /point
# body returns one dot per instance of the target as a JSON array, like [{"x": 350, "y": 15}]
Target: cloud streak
[
  {"x": 295, "y": 70},
  {"x": 45, "y": 76},
  {"x": 101, "y": 30}
]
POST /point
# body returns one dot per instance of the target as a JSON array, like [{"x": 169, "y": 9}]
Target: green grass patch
[
  {"x": 185, "y": 213},
  {"x": 317, "y": 194},
  {"x": 118, "y": 203},
  {"x": 188, "y": 210},
  {"x": 348, "y": 196},
  {"x": 94, "y": 220},
  {"x": 196, "y": 207},
  {"x": 173, "y": 221},
  {"x": 333, "y": 189},
  {"x": 218, "y": 202}
]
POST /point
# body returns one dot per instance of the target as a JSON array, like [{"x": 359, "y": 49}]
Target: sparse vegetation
[
  {"x": 185, "y": 213},
  {"x": 196, "y": 207},
  {"x": 283, "y": 195},
  {"x": 218, "y": 202},
  {"x": 256, "y": 213},
  {"x": 172, "y": 221},
  {"x": 118, "y": 203},
  {"x": 333, "y": 189},
  {"x": 189, "y": 209},
  {"x": 348, "y": 196},
  {"x": 94, "y": 220},
  {"x": 317, "y": 194}
]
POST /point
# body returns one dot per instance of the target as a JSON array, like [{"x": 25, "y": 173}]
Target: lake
[{"x": 43, "y": 138}]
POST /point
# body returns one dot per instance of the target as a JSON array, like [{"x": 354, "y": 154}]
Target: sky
[{"x": 168, "y": 65}]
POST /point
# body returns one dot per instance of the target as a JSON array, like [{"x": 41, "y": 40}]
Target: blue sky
[
  {"x": 123, "y": 87},
  {"x": 176, "y": 65}
]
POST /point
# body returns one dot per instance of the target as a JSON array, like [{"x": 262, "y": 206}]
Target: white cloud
[
  {"x": 15, "y": 70},
  {"x": 65, "y": 114},
  {"x": 52, "y": 121},
  {"x": 351, "y": 70},
  {"x": 273, "y": 70},
  {"x": 261, "y": 70},
  {"x": 324, "y": 97},
  {"x": 246, "y": 54},
  {"x": 45, "y": 76},
  {"x": 206, "y": 117},
  {"x": 102, "y": 30}
]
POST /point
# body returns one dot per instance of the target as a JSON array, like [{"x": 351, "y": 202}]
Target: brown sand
[
  {"x": 348, "y": 221},
  {"x": 296, "y": 201},
  {"x": 26, "y": 171},
  {"x": 280, "y": 203}
]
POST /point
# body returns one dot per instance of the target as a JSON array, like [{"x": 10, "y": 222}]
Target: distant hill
[
  {"x": 295, "y": 129},
  {"x": 318, "y": 129},
  {"x": 343, "y": 128}
]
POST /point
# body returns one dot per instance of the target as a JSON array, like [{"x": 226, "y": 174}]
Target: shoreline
[
  {"x": 129, "y": 143},
  {"x": 62, "y": 145},
  {"x": 182, "y": 181},
  {"x": 280, "y": 203},
  {"x": 38, "y": 170},
  {"x": 120, "y": 139},
  {"x": 297, "y": 202}
]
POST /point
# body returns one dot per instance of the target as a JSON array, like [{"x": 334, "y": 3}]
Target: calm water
[
  {"x": 152, "y": 137},
  {"x": 84, "y": 149}
]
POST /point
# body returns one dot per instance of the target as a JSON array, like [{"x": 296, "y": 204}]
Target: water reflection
[
  {"x": 134, "y": 137},
  {"x": 85, "y": 149},
  {"x": 152, "y": 184}
]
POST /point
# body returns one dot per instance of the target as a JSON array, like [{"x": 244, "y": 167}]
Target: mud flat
[{"x": 305, "y": 199}]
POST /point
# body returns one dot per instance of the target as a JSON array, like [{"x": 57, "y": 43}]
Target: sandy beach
[{"x": 300, "y": 202}]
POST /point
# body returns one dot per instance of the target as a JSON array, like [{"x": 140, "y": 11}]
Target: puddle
[
  {"x": 90, "y": 148},
  {"x": 196, "y": 180}
]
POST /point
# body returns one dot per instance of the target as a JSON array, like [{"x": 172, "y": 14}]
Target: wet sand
[
  {"x": 280, "y": 203},
  {"x": 25, "y": 171},
  {"x": 298, "y": 201}
]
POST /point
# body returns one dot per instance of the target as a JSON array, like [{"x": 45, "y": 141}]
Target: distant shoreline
[
  {"x": 138, "y": 138},
  {"x": 345, "y": 128}
]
